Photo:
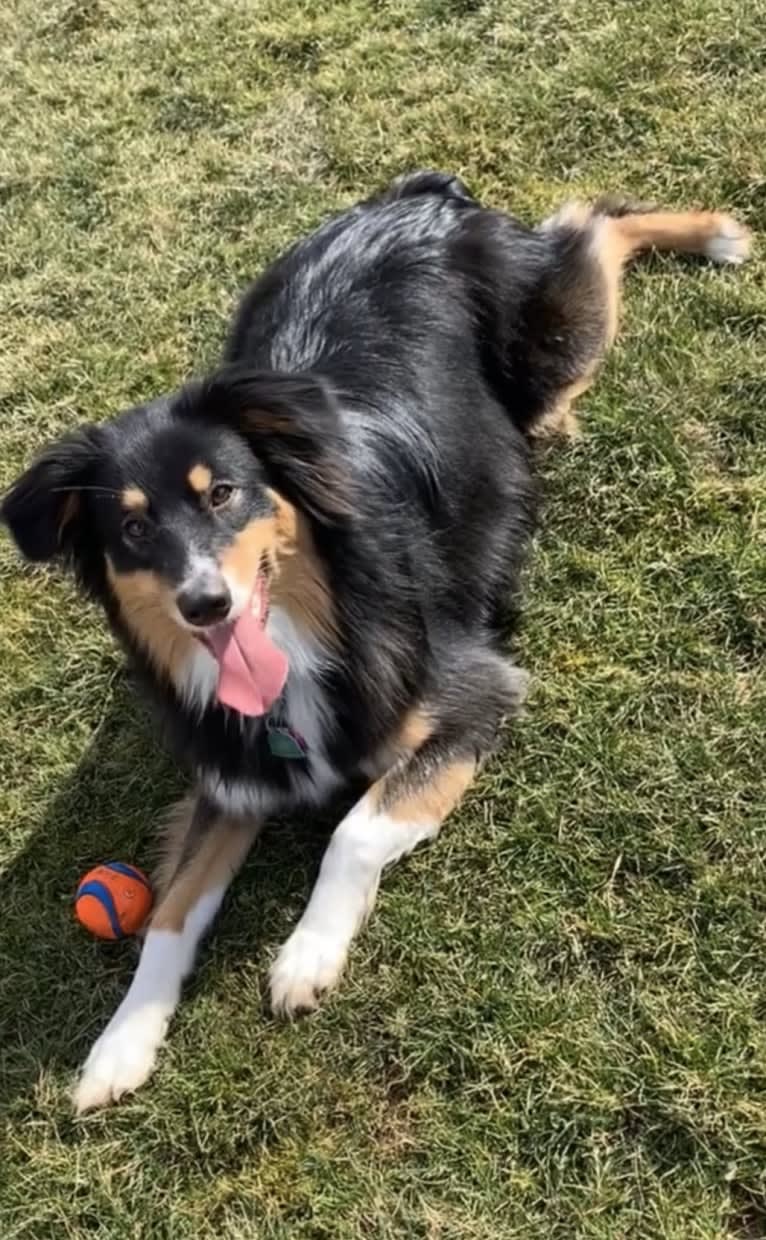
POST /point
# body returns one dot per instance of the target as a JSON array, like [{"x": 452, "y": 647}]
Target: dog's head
[{"x": 187, "y": 514}]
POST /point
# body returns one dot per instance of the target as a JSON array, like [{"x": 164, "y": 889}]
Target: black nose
[{"x": 204, "y": 606}]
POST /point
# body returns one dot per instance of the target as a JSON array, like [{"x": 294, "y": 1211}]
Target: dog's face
[
  {"x": 185, "y": 517},
  {"x": 181, "y": 513}
]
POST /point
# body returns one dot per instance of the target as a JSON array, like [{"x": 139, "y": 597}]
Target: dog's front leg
[
  {"x": 439, "y": 756},
  {"x": 204, "y": 854},
  {"x": 399, "y": 811}
]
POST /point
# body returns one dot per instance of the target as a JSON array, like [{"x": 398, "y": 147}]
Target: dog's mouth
[{"x": 251, "y": 670}]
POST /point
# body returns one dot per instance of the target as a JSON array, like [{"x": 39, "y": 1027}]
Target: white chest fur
[{"x": 306, "y": 708}]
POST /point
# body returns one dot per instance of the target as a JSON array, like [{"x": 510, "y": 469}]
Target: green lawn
[{"x": 554, "y": 1025}]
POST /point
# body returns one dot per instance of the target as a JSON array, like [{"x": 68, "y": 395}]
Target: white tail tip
[{"x": 731, "y": 244}]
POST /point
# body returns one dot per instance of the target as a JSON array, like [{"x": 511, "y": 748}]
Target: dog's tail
[
  {"x": 573, "y": 312},
  {"x": 633, "y": 228},
  {"x": 626, "y": 228}
]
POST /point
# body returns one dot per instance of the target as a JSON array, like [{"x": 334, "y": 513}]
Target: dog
[{"x": 309, "y": 554}]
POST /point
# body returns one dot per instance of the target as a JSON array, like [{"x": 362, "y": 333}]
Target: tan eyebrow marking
[
  {"x": 199, "y": 478},
  {"x": 134, "y": 497}
]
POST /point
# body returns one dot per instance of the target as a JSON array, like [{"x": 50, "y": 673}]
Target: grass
[{"x": 554, "y": 1025}]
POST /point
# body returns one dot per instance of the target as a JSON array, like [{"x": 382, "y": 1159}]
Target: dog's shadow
[{"x": 59, "y": 986}]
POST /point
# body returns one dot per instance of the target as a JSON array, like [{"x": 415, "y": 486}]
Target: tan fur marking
[
  {"x": 285, "y": 519},
  {"x": 68, "y": 512},
  {"x": 297, "y": 581},
  {"x": 173, "y": 833},
  {"x": 561, "y": 418},
  {"x": 415, "y": 730},
  {"x": 199, "y": 478},
  {"x": 686, "y": 231},
  {"x": 219, "y": 855},
  {"x": 134, "y": 498},
  {"x": 242, "y": 558},
  {"x": 433, "y": 802},
  {"x": 146, "y": 608},
  {"x": 299, "y": 584},
  {"x": 611, "y": 254}
]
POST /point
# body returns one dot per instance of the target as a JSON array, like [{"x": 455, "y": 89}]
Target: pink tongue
[{"x": 251, "y": 670}]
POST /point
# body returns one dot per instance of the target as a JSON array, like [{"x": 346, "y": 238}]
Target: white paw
[
  {"x": 308, "y": 964},
  {"x": 731, "y": 244},
  {"x": 122, "y": 1058}
]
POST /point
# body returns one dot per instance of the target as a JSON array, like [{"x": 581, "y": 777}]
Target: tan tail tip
[{"x": 732, "y": 242}]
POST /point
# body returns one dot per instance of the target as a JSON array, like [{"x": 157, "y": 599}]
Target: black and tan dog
[{"x": 308, "y": 554}]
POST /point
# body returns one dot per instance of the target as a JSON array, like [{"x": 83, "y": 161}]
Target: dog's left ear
[
  {"x": 292, "y": 424},
  {"x": 43, "y": 509}
]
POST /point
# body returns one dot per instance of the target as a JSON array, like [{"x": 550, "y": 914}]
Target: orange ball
[{"x": 113, "y": 900}]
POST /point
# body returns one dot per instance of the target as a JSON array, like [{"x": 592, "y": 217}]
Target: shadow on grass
[{"x": 59, "y": 986}]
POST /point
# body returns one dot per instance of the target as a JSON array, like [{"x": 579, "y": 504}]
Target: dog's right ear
[
  {"x": 292, "y": 423},
  {"x": 43, "y": 507}
]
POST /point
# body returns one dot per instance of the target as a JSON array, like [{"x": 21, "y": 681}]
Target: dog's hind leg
[
  {"x": 210, "y": 853},
  {"x": 580, "y": 291}
]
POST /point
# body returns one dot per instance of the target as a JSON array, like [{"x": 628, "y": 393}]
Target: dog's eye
[
  {"x": 220, "y": 494},
  {"x": 135, "y": 528}
]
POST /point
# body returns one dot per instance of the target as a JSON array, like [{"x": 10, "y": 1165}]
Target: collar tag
[{"x": 284, "y": 742}]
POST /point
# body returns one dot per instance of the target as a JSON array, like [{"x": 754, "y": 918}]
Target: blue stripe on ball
[
  {"x": 102, "y": 893},
  {"x": 120, "y": 867}
]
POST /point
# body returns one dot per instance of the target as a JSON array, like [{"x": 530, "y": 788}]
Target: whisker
[{"x": 70, "y": 490}]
